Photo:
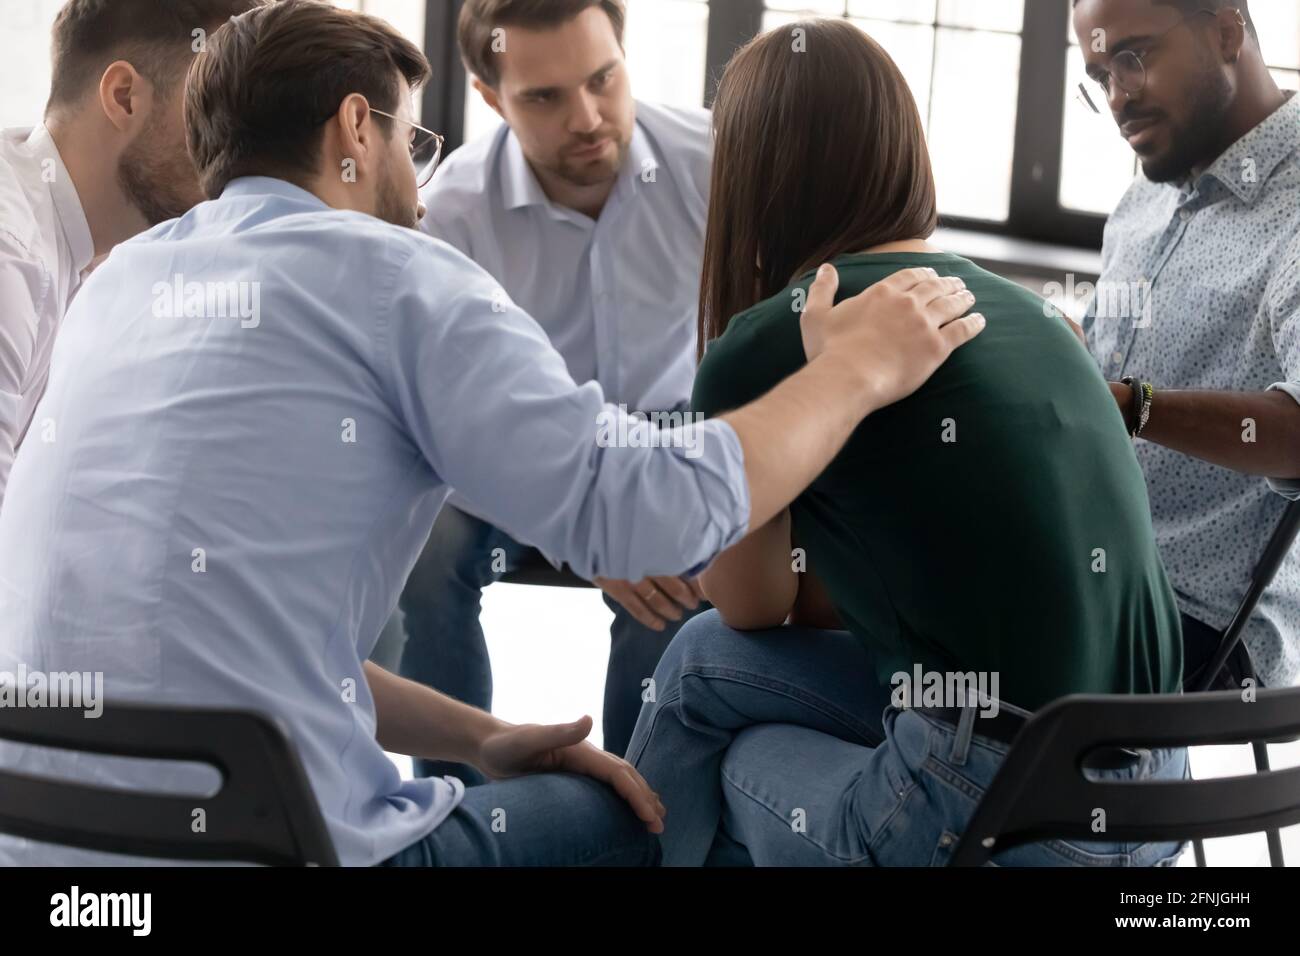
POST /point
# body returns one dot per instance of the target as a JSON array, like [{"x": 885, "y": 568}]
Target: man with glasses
[
  {"x": 1204, "y": 359},
  {"x": 588, "y": 208}
]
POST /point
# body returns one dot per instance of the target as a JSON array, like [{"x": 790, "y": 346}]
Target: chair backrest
[
  {"x": 1284, "y": 536},
  {"x": 265, "y": 811},
  {"x": 1041, "y": 791}
]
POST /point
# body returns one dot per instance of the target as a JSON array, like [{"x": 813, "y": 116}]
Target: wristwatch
[{"x": 1143, "y": 393}]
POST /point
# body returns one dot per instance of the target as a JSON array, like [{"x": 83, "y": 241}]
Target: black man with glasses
[{"x": 1205, "y": 360}]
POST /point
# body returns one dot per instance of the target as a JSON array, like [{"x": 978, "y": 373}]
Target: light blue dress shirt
[
  {"x": 240, "y": 482},
  {"x": 1200, "y": 289},
  {"x": 618, "y": 296}
]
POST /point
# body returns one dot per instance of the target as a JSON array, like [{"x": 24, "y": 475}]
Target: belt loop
[{"x": 961, "y": 740}]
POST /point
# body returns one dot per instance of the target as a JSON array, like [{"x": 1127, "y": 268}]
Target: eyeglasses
[
  {"x": 1127, "y": 69},
  {"x": 426, "y": 148}
]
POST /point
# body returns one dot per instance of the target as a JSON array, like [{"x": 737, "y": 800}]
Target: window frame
[
  {"x": 443, "y": 105},
  {"x": 1035, "y": 211}
]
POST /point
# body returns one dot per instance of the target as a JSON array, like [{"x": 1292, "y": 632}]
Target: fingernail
[
  {"x": 825, "y": 270},
  {"x": 979, "y": 320},
  {"x": 932, "y": 272}
]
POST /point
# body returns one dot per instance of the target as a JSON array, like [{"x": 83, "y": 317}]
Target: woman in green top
[{"x": 986, "y": 542}]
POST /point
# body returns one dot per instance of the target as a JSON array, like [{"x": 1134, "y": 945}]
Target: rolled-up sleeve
[
  {"x": 1284, "y": 316},
  {"x": 492, "y": 407}
]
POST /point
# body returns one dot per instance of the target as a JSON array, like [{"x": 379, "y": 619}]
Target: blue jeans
[
  {"x": 551, "y": 819},
  {"x": 445, "y": 648},
  {"x": 781, "y": 746}
]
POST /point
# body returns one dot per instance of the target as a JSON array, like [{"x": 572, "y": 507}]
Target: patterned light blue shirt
[
  {"x": 1200, "y": 289},
  {"x": 259, "y": 409}
]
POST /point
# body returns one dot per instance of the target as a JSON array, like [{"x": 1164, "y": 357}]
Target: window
[
  {"x": 25, "y": 49},
  {"x": 654, "y": 27},
  {"x": 1097, "y": 165},
  {"x": 25, "y": 60},
  {"x": 962, "y": 60},
  {"x": 1012, "y": 157},
  {"x": 407, "y": 16}
]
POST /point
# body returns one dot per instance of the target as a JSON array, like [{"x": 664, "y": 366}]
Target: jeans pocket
[
  {"x": 893, "y": 814},
  {"x": 969, "y": 790}
]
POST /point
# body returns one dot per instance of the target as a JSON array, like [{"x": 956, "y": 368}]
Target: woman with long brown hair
[{"x": 975, "y": 552}]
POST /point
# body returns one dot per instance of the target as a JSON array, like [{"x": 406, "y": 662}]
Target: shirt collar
[
  {"x": 520, "y": 188},
  {"x": 269, "y": 186},
  {"x": 1247, "y": 165},
  {"x": 67, "y": 204},
  {"x": 641, "y": 162},
  {"x": 519, "y": 185}
]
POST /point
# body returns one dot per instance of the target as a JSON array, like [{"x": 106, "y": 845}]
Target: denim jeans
[
  {"x": 551, "y": 819},
  {"x": 445, "y": 648},
  {"x": 781, "y": 746}
]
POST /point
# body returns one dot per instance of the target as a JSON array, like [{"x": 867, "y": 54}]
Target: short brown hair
[
  {"x": 816, "y": 154},
  {"x": 155, "y": 36},
  {"x": 258, "y": 99},
  {"x": 479, "y": 19}
]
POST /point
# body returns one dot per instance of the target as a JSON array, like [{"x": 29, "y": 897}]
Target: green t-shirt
[{"x": 996, "y": 521}]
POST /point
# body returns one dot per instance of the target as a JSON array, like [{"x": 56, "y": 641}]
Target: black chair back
[
  {"x": 1041, "y": 790},
  {"x": 1284, "y": 536},
  {"x": 265, "y": 811}
]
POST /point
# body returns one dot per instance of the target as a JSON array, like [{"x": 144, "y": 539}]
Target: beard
[
  {"x": 156, "y": 175},
  {"x": 392, "y": 207},
  {"x": 592, "y": 173},
  {"x": 1197, "y": 142}
]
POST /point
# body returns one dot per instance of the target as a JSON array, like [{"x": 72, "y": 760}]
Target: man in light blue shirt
[
  {"x": 1200, "y": 297},
  {"x": 260, "y": 408},
  {"x": 588, "y": 209}
]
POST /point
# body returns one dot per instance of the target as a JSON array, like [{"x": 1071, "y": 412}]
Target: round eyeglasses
[
  {"x": 1127, "y": 69},
  {"x": 426, "y": 148}
]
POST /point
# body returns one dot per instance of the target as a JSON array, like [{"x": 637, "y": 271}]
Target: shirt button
[
  {"x": 1118, "y": 358},
  {"x": 1184, "y": 214}
]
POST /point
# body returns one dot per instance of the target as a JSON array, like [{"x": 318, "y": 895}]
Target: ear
[
  {"x": 490, "y": 96},
  {"x": 125, "y": 96},
  {"x": 353, "y": 131},
  {"x": 1232, "y": 34}
]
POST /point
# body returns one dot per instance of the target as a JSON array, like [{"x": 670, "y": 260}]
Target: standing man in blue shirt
[
  {"x": 588, "y": 209},
  {"x": 261, "y": 407},
  {"x": 1204, "y": 252}
]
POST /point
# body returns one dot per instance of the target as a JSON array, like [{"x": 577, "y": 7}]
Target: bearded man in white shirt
[{"x": 107, "y": 162}]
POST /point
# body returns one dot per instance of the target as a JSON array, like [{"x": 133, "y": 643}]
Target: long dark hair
[{"x": 819, "y": 150}]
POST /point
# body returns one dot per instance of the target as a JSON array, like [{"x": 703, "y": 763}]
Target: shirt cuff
[
  {"x": 723, "y": 482},
  {"x": 718, "y": 461},
  {"x": 1286, "y": 487}
]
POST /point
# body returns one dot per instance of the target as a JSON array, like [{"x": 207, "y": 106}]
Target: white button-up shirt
[
  {"x": 45, "y": 246},
  {"x": 618, "y": 296}
]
